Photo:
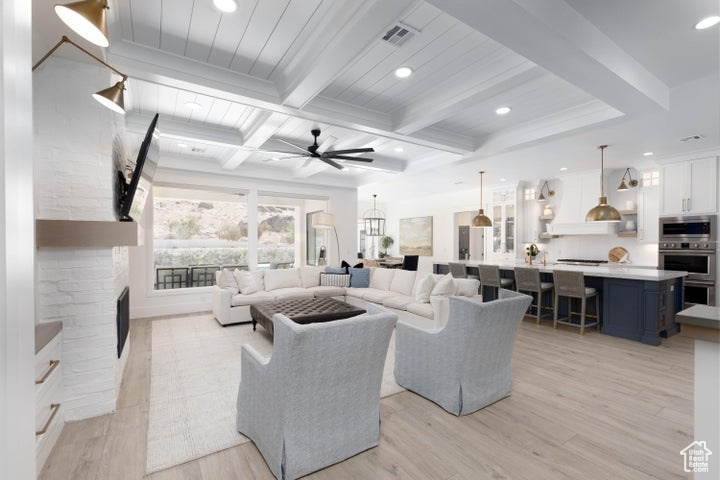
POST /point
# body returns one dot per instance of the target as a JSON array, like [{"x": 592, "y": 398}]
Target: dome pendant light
[
  {"x": 481, "y": 220},
  {"x": 602, "y": 212}
]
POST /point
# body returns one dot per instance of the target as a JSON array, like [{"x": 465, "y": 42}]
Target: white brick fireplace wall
[{"x": 74, "y": 159}]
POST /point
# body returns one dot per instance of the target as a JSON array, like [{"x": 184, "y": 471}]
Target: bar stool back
[
  {"x": 490, "y": 277},
  {"x": 528, "y": 280},
  {"x": 572, "y": 285},
  {"x": 457, "y": 270}
]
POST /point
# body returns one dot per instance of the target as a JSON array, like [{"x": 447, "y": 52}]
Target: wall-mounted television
[{"x": 133, "y": 193}]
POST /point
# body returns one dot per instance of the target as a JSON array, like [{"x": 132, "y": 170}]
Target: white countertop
[{"x": 610, "y": 270}]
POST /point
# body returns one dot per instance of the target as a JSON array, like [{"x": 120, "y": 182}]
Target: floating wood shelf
[
  {"x": 627, "y": 212},
  {"x": 546, "y": 217},
  {"x": 546, "y": 236},
  {"x": 627, "y": 234},
  {"x": 86, "y": 234}
]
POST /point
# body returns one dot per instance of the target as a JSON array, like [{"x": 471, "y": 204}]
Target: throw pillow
[
  {"x": 424, "y": 287},
  {"x": 341, "y": 270},
  {"x": 359, "y": 265},
  {"x": 250, "y": 282},
  {"x": 444, "y": 286},
  {"x": 359, "y": 277},
  {"x": 335, "y": 279},
  {"x": 226, "y": 279},
  {"x": 381, "y": 278},
  {"x": 310, "y": 276},
  {"x": 282, "y": 278},
  {"x": 403, "y": 282}
]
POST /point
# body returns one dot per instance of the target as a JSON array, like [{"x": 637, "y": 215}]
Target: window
[
  {"x": 529, "y": 193},
  {"x": 277, "y": 219},
  {"x": 650, "y": 178},
  {"x": 195, "y": 233}
]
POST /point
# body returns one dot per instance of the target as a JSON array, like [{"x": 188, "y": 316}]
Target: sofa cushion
[
  {"x": 225, "y": 279},
  {"x": 310, "y": 276},
  {"x": 324, "y": 291},
  {"x": 381, "y": 278},
  {"x": 399, "y": 301},
  {"x": 424, "y": 288},
  {"x": 251, "y": 299},
  {"x": 466, "y": 287},
  {"x": 291, "y": 293},
  {"x": 359, "y": 277},
  {"x": 378, "y": 296},
  {"x": 282, "y": 278},
  {"x": 403, "y": 281},
  {"x": 422, "y": 309},
  {"x": 250, "y": 281},
  {"x": 335, "y": 279},
  {"x": 444, "y": 286},
  {"x": 361, "y": 292}
]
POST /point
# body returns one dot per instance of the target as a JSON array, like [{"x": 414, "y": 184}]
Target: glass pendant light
[
  {"x": 602, "y": 212},
  {"x": 481, "y": 220}
]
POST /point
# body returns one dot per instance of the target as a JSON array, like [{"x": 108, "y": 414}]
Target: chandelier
[{"x": 374, "y": 221}]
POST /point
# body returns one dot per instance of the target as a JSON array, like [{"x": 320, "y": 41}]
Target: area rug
[{"x": 193, "y": 387}]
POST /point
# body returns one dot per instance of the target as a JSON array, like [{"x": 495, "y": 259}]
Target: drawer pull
[
  {"x": 54, "y": 407},
  {"x": 53, "y": 365}
]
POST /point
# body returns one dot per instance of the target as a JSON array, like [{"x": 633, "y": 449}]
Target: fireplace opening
[{"x": 123, "y": 319}]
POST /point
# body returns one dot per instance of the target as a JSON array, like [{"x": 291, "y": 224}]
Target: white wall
[
  {"x": 17, "y": 245},
  {"x": 145, "y": 302}
]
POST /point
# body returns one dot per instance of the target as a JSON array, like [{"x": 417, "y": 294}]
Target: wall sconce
[
  {"x": 633, "y": 183},
  {"x": 111, "y": 97},
  {"x": 545, "y": 187},
  {"x": 87, "y": 19}
]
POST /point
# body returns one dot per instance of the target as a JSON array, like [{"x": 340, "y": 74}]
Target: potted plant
[{"x": 386, "y": 242}]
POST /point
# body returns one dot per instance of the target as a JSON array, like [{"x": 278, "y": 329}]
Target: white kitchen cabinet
[
  {"x": 648, "y": 208},
  {"x": 689, "y": 187},
  {"x": 503, "y": 212}
]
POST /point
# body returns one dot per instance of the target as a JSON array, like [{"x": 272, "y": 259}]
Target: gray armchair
[
  {"x": 316, "y": 401},
  {"x": 466, "y": 365}
]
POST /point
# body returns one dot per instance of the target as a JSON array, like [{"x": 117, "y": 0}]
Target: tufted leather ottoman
[{"x": 305, "y": 310}]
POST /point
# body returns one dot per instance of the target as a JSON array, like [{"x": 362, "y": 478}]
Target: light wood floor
[{"x": 592, "y": 407}]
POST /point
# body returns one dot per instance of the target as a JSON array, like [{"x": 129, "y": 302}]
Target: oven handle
[{"x": 699, "y": 283}]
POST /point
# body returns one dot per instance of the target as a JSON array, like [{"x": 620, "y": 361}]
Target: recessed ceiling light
[
  {"x": 503, "y": 110},
  {"x": 707, "y": 22},
  {"x": 193, "y": 105},
  {"x": 399, "y": 149},
  {"x": 503, "y": 179},
  {"x": 647, "y": 154},
  {"x": 182, "y": 145},
  {"x": 225, "y": 6},
  {"x": 562, "y": 169},
  {"x": 403, "y": 72},
  {"x": 458, "y": 183}
]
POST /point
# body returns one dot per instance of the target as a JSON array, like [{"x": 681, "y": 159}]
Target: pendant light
[
  {"x": 632, "y": 182},
  {"x": 481, "y": 220},
  {"x": 374, "y": 221},
  {"x": 602, "y": 212},
  {"x": 87, "y": 19},
  {"x": 550, "y": 193}
]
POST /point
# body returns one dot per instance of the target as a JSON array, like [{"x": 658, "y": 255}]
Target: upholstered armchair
[
  {"x": 316, "y": 401},
  {"x": 466, "y": 365}
]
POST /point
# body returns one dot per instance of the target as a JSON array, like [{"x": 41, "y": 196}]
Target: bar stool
[
  {"x": 472, "y": 271},
  {"x": 490, "y": 277},
  {"x": 528, "y": 280},
  {"x": 572, "y": 285},
  {"x": 457, "y": 270}
]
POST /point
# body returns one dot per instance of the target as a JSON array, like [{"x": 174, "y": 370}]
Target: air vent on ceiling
[
  {"x": 691, "y": 138},
  {"x": 197, "y": 150},
  {"x": 399, "y": 35}
]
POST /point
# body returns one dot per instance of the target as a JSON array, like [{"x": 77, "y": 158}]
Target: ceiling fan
[{"x": 326, "y": 156}]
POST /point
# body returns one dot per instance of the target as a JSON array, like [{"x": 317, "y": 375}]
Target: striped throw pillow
[{"x": 334, "y": 280}]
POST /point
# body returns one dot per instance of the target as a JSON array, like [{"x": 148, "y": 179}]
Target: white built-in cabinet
[
  {"x": 648, "y": 212},
  {"x": 689, "y": 187},
  {"x": 503, "y": 213}
]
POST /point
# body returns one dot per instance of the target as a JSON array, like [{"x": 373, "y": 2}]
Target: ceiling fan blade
[
  {"x": 356, "y": 159},
  {"x": 284, "y": 152},
  {"x": 332, "y": 153},
  {"x": 331, "y": 163},
  {"x": 307, "y": 162},
  {"x": 292, "y": 145},
  {"x": 292, "y": 156}
]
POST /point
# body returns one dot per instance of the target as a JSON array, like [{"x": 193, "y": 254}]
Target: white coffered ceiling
[{"x": 576, "y": 73}]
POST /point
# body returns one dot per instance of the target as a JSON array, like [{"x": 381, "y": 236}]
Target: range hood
[{"x": 583, "y": 228}]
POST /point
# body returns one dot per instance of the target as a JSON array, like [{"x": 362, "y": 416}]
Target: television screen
[{"x": 137, "y": 190}]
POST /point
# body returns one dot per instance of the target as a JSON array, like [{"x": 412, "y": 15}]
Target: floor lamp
[{"x": 326, "y": 221}]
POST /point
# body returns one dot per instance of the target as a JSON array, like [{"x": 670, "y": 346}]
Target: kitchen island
[{"x": 636, "y": 303}]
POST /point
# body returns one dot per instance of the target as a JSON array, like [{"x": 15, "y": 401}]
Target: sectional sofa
[{"x": 404, "y": 292}]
